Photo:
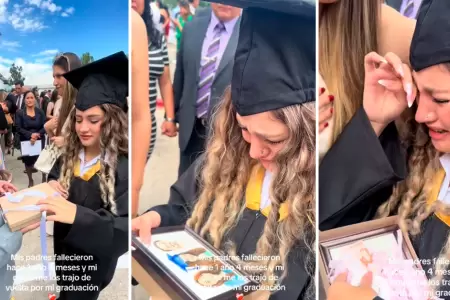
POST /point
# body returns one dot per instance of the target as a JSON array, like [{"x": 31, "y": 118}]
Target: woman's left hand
[
  {"x": 64, "y": 211},
  {"x": 6, "y": 187},
  {"x": 58, "y": 140}
]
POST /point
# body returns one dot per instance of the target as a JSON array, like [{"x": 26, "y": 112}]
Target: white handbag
[
  {"x": 49, "y": 155},
  {"x": 47, "y": 158}
]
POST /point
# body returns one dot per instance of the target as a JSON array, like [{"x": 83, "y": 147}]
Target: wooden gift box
[
  {"x": 160, "y": 281},
  {"x": 350, "y": 234},
  {"x": 18, "y": 220}
]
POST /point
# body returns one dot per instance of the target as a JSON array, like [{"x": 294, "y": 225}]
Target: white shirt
[
  {"x": 192, "y": 9},
  {"x": 85, "y": 166},
  {"x": 444, "y": 194},
  {"x": 265, "y": 197},
  {"x": 156, "y": 16}
]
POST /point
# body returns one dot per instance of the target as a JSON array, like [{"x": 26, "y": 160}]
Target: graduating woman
[
  {"x": 422, "y": 199},
  {"x": 91, "y": 226},
  {"x": 253, "y": 190}
]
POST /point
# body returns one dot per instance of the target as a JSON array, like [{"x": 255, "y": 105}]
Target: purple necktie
[
  {"x": 409, "y": 9},
  {"x": 207, "y": 72}
]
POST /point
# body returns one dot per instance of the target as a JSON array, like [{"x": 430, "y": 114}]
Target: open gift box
[
  {"x": 378, "y": 236},
  {"x": 19, "y": 209},
  {"x": 179, "y": 264}
]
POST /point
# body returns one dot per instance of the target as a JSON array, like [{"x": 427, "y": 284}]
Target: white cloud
[
  {"x": 9, "y": 45},
  {"x": 3, "y": 11},
  {"x": 35, "y": 73},
  {"x": 47, "y": 52},
  {"x": 68, "y": 12},
  {"x": 22, "y": 18},
  {"x": 50, "y": 6},
  {"x": 29, "y": 25}
]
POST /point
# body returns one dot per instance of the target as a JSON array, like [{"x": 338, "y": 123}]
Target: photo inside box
[
  {"x": 195, "y": 264},
  {"x": 384, "y": 252}
]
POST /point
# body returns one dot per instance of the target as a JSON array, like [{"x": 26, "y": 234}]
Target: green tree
[
  {"x": 86, "y": 58},
  {"x": 16, "y": 74}
]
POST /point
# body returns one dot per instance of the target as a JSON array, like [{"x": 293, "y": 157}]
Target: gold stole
[
  {"x": 438, "y": 180},
  {"x": 253, "y": 194},
  {"x": 89, "y": 173}
]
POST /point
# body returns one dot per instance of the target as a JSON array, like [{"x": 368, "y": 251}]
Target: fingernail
[
  {"x": 400, "y": 71},
  {"x": 322, "y": 90},
  {"x": 383, "y": 83},
  {"x": 383, "y": 61},
  {"x": 331, "y": 97},
  {"x": 325, "y": 126}
]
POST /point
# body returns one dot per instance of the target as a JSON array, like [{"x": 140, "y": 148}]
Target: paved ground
[{"x": 161, "y": 172}]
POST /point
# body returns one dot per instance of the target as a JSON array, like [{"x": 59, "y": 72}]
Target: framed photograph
[
  {"x": 185, "y": 266},
  {"x": 383, "y": 235}
]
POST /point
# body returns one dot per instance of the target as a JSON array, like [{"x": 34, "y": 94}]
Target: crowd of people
[{"x": 242, "y": 130}]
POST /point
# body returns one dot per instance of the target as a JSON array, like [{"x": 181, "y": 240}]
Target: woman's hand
[
  {"x": 58, "y": 141},
  {"x": 52, "y": 124},
  {"x": 325, "y": 105},
  {"x": 388, "y": 89},
  {"x": 62, "y": 210},
  {"x": 143, "y": 225},
  {"x": 169, "y": 129},
  {"x": 6, "y": 187},
  {"x": 30, "y": 227},
  {"x": 340, "y": 289},
  {"x": 59, "y": 188}
]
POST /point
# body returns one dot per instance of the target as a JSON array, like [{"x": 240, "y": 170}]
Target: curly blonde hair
[
  {"x": 226, "y": 171},
  {"x": 409, "y": 197},
  {"x": 113, "y": 141}
]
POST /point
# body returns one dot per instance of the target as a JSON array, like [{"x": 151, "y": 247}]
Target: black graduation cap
[
  {"x": 275, "y": 58},
  {"x": 431, "y": 41},
  {"x": 104, "y": 81}
]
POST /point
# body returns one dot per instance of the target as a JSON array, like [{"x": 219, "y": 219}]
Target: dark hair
[
  {"x": 154, "y": 35},
  {"x": 67, "y": 61},
  {"x": 29, "y": 92},
  {"x": 42, "y": 94},
  {"x": 54, "y": 97},
  {"x": 183, "y": 3},
  {"x": 19, "y": 82}
]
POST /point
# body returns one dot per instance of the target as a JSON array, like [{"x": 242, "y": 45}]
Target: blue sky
[{"x": 33, "y": 31}]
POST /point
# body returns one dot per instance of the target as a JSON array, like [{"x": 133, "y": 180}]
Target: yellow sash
[
  {"x": 253, "y": 194},
  {"x": 434, "y": 194},
  {"x": 89, "y": 173}
]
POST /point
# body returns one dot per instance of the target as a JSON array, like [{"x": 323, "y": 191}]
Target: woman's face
[
  {"x": 58, "y": 80},
  {"x": 184, "y": 11},
  {"x": 266, "y": 136},
  {"x": 138, "y": 6},
  {"x": 30, "y": 100},
  {"x": 88, "y": 126},
  {"x": 434, "y": 104}
]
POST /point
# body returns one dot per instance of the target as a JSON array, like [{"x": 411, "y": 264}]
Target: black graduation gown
[
  {"x": 95, "y": 233},
  {"x": 428, "y": 245},
  {"x": 245, "y": 234},
  {"x": 358, "y": 173}
]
